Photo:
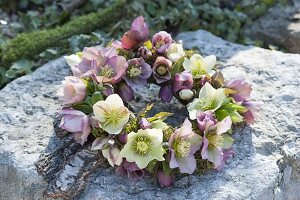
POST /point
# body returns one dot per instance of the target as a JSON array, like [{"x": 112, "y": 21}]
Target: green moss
[{"x": 26, "y": 45}]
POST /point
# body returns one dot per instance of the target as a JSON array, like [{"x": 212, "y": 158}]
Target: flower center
[
  {"x": 197, "y": 70},
  {"x": 161, "y": 70},
  {"x": 106, "y": 71},
  {"x": 113, "y": 117},
  {"x": 159, "y": 44},
  {"x": 182, "y": 147},
  {"x": 142, "y": 145},
  {"x": 214, "y": 140},
  {"x": 205, "y": 104},
  {"x": 134, "y": 72}
]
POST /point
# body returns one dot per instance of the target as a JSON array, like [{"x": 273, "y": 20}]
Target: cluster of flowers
[{"x": 104, "y": 79}]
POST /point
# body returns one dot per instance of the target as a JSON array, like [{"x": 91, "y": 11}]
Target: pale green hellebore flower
[
  {"x": 111, "y": 114},
  {"x": 209, "y": 99},
  {"x": 143, "y": 147},
  {"x": 199, "y": 66}
]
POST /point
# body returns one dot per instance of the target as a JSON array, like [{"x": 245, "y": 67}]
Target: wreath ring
[{"x": 104, "y": 80}]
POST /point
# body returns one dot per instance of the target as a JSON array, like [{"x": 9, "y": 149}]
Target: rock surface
[
  {"x": 268, "y": 153},
  {"x": 280, "y": 26}
]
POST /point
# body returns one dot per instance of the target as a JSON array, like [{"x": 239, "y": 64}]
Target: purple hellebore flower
[
  {"x": 76, "y": 122},
  {"x": 125, "y": 92},
  {"x": 123, "y": 137},
  {"x": 205, "y": 118},
  {"x": 137, "y": 73},
  {"x": 240, "y": 90},
  {"x": 161, "y": 69},
  {"x": 144, "y": 52},
  {"x": 183, "y": 144},
  {"x": 144, "y": 123},
  {"x": 137, "y": 34},
  {"x": 165, "y": 180},
  {"x": 110, "y": 70},
  {"x": 131, "y": 170},
  {"x": 184, "y": 80},
  {"x": 165, "y": 93},
  {"x": 214, "y": 141},
  {"x": 228, "y": 153},
  {"x": 108, "y": 89},
  {"x": 90, "y": 57},
  {"x": 161, "y": 41},
  {"x": 253, "y": 109},
  {"x": 73, "y": 90}
]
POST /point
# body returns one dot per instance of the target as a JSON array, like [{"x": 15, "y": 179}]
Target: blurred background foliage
[{"x": 221, "y": 17}]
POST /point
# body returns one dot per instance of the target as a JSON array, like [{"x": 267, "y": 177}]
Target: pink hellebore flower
[
  {"x": 131, "y": 170},
  {"x": 240, "y": 90},
  {"x": 161, "y": 41},
  {"x": 184, "y": 80},
  {"x": 125, "y": 92},
  {"x": 76, "y": 122},
  {"x": 205, "y": 118},
  {"x": 165, "y": 93},
  {"x": 165, "y": 180},
  {"x": 228, "y": 153},
  {"x": 137, "y": 34},
  {"x": 253, "y": 108},
  {"x": 73, "y": 90},
  {"x": 110, "y": 70},
  {"x": 183, "y": 144},
  {"x": 215, "y": 141},
  {"x": 162, "y": 69},
  {"x": 144, "y": 123}
]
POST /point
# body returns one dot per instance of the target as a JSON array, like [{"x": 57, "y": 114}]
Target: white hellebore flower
[
  {"x": 143, "y": 147},
  {"x": 186, "y": 94},
  {"x": 209, "y": 99},
  {"x": 72, "y": 60},
  {"x": 198, "y": 65},
  {"x": 111, "y": 114},
  {"x": 175, "y": 51}
]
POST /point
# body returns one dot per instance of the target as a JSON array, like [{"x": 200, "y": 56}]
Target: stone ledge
[{"x": 28, "y": 108}]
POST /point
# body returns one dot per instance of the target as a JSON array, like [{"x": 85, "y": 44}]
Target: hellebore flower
[
  {"x": 253, "y": 108},
  {"x": 161, "y": 69},
  {"x": 131, "y": 170},
  {"x": 209, "y": 99},
  {"x": 165, "y": 180},
  {"x": 91, "y": 56},
  {"x": 76, "y": 122},
  {"x": 108, "y": 89},
  {"x": 161, "y": 41},
  {"x": 109, "y": 151},
  {"x": 183, "y": 144},
  {"x": 144, "y": 52},
  {"x": 137, "y": 73},
  {"x": 214, "y": 141},
  {"x": 144, "y": 123},
  {"x": 184, "y": 80},
  {"x": 137, "y": 34},
  {"x": 73, "y": 60},
  {"x": 111, "y": 114},
  {"x": 239, "y": 90},
  {"x": 205, "y": 118},
  {"x": 228, "y": 153},
  {"x": 126, "y": 92},
  {"x": 143, "y": 147},
  {"x": 73, "y": 90},
  {"x": 165, "y": 93},
  {"x": 186, "y": 94},
  {"x": 110, "y": 70},
  {"x": 198, "y": 65},
  {"x": 175, "y": 51}
]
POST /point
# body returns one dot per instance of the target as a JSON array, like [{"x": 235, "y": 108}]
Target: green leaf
[
  {"x": 178, "y": 66},
  {"x": 144, "y": 111},
  {"x": 166, "y": 168},
  {"x": 160, "y": 116},
  {"x": 152, "y": 165},
  {"x": 20, "y": 67},
  {"x": 87, "y": 109},
  {"x": 97, "y": 96}
]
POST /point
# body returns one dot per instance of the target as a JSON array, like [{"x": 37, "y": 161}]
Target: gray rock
[
  {"x": 280, "y": 26},
  {"x": 266, "y": 165}
]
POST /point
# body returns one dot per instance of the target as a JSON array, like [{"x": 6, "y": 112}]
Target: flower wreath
[{"x": 105, "y": 78}]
